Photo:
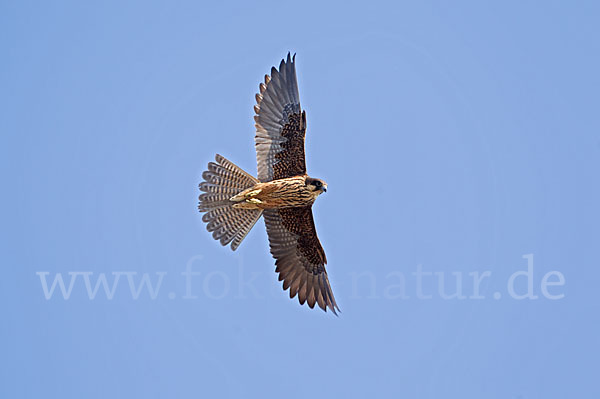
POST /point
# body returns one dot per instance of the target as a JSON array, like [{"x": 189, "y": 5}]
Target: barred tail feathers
[{"x": 222, "y": 181}]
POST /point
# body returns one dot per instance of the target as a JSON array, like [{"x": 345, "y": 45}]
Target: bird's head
[{"x": 316, "y": 186}]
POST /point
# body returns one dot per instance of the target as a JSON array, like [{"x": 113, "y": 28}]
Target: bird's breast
[{"x": 285, "y": 193}]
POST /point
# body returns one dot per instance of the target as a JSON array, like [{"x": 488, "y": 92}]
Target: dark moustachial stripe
[{"x": 280, "y": 133}]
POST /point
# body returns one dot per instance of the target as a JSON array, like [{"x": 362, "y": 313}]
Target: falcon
[{"x": 233, "y": 200}]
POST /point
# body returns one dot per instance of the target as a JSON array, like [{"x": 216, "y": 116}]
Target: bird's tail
[{"x": 222, "y": 181}]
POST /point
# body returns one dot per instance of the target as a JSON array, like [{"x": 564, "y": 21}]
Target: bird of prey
[{"x": 283, "y": 194}]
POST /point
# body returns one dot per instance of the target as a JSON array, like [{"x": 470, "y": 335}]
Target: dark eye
[{"x": 318, "y": 184}]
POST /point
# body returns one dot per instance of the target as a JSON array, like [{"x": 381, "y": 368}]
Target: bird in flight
[{"x": 283, "y": 193}]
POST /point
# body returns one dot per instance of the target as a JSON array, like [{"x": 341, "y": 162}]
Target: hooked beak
[{"x": 324, "y": 189}]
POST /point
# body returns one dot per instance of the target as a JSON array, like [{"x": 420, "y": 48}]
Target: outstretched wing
[
  {"x": 280, "y": 125},
  {"x": 299, "y": 256}
]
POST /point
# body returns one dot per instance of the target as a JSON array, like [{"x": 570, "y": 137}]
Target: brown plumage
[{"x": 283, "y": 193}]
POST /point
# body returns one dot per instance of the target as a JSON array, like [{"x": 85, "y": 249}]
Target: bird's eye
[{"x": 318, "y": 184}]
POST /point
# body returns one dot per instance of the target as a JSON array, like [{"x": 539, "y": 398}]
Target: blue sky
[{"x": 460, "y": 142}]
